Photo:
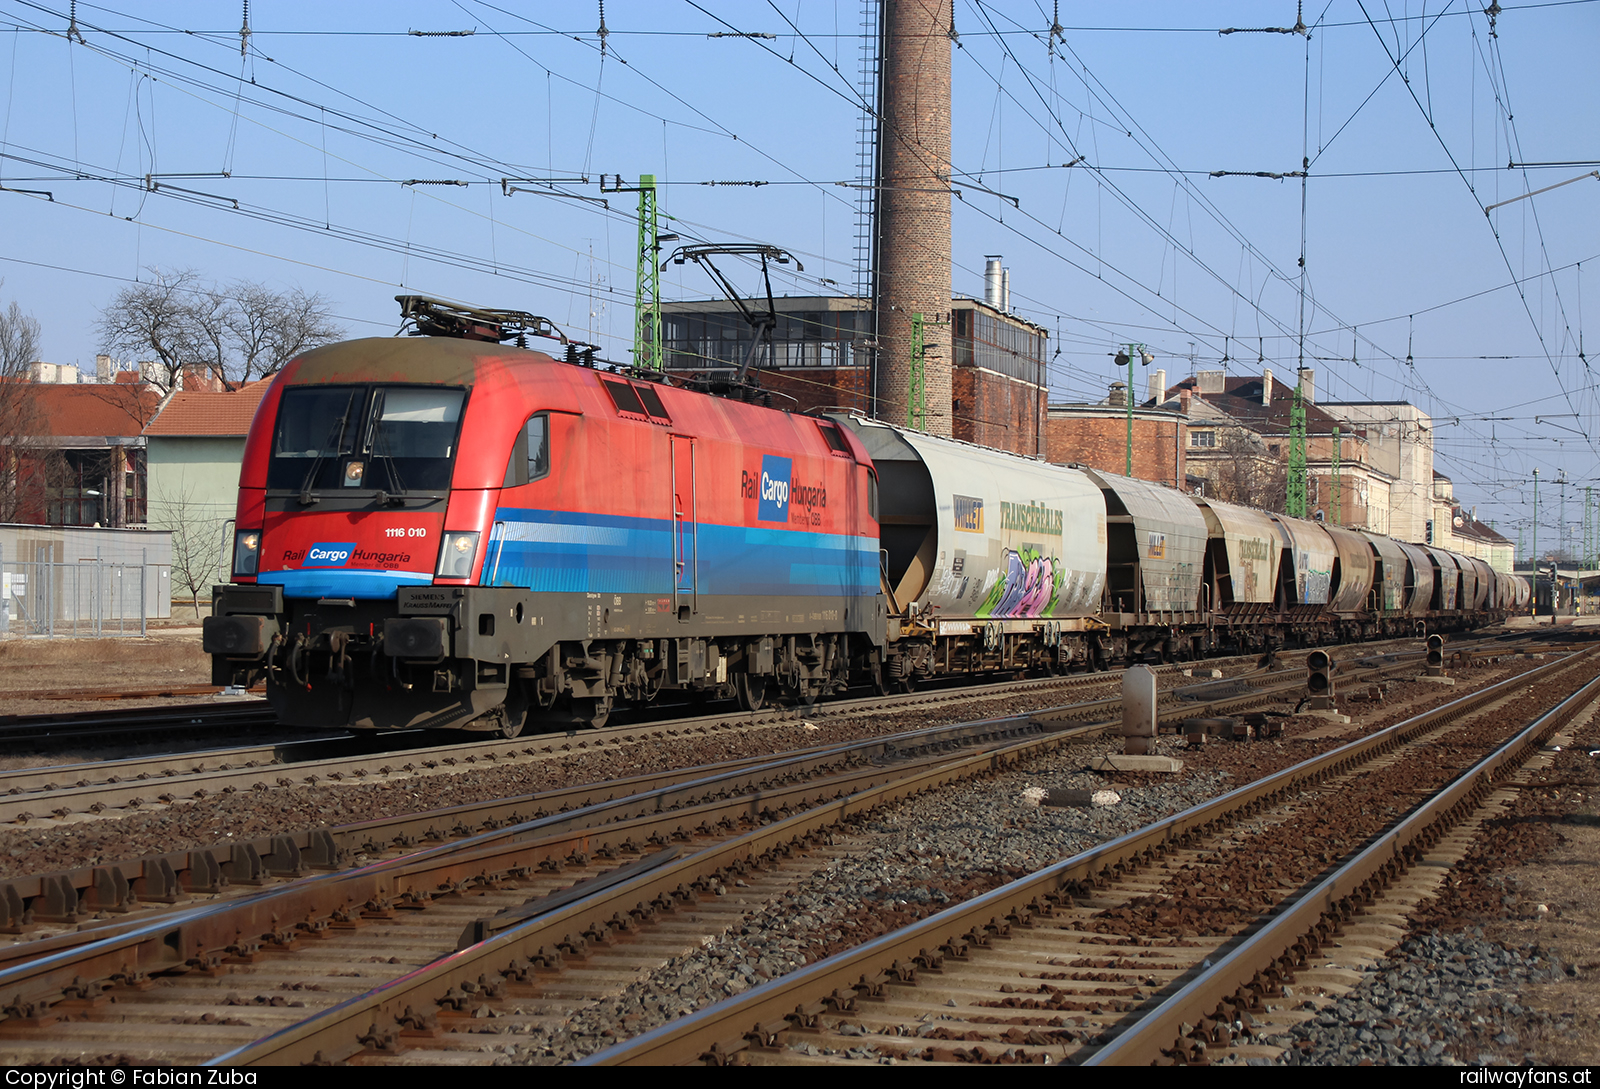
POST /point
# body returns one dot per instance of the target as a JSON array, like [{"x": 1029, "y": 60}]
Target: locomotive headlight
[
  {"x": 246, "y": 551},
  {"x": 456, "y": 554}
]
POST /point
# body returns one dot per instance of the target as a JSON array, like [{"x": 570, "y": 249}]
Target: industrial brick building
[
  {"x": 1097, "y": 436},
  {"x": 824, "y": 356}
]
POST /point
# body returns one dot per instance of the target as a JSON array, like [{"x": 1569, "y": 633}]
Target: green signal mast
[
  {"x": 1295, "y": 502},
  {"x": 647, "y": 279}
]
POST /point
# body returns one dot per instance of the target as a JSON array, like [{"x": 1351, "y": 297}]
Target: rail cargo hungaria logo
[
  {"x": 328, "y": 555},
  {"x": 773, "y": 489}
]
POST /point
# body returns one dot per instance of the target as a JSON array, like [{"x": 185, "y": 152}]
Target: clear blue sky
[{"x": 338, "y": 105}]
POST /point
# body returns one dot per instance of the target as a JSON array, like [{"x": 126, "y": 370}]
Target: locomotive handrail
[{"x": 497, "y": 537}]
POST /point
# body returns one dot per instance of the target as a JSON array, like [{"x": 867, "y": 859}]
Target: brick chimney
[
  {"x": 914, "y": 206},
  {"x": 1183, "y": 401}
]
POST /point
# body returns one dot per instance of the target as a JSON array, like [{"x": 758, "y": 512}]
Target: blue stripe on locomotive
[
  {"x": 339, "y": 582},
  {"x": 573, "y": 553}
]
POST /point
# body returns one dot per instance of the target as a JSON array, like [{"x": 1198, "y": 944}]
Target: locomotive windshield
[{"x": 391, "y": 439}]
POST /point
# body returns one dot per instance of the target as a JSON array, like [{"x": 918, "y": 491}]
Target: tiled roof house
[{"x": 195, "y": 445}]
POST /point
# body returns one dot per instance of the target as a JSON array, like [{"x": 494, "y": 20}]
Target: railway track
[
  {"x": 40, "y": 793},
  {"x": 1183, "y": 942},
  {"x": 460, "y": 887},
  {"x": 134, "y": 785},
  {"x": 89, "y": 728},
  {"x": 61, "y": 792},
  {"x": 93, "y": 730}
]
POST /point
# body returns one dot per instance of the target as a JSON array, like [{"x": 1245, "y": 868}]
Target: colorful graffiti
[{"x": 1028, "y": 584}]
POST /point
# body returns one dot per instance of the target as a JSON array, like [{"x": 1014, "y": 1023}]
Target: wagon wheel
[
  {"x": 905, "y": 685},
  {"x": 1097, "y": 658},
  {"x": 875, "y": 675},
  {"x": 751, "y": 691}
]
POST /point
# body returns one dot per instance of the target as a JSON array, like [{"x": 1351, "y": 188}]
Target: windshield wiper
[
  {"x": 381, "y": 453},
  {"x": 336, "y": 440}
]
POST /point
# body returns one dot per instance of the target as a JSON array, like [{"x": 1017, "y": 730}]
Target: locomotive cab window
[
  {"x": 390, "y": 439},
  {"x": 530, "y": 454}
]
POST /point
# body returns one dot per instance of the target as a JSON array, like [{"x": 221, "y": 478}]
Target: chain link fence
[{"x": 75, "y": 584}]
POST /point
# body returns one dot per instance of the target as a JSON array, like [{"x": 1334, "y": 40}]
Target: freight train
[{"x": 448, "y": 532}]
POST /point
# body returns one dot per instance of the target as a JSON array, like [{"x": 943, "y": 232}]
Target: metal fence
[{"x": 90, "y": 596}]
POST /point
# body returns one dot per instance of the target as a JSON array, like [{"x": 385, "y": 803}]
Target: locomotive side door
[{"x": 685, "y": 541}]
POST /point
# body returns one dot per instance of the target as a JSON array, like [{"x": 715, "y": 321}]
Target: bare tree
[
  {"x": 159, "y": 317},
  {"x": 237, "y": 332},
  {"x": 1246, "y": 472},
  {"x": 269, "y": 328},
  {"x": 197, "y": 542},
  {"x": 29, "y": 462}
]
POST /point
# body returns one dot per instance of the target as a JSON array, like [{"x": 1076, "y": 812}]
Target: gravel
[
  {"x": 1437, "y": 1000},
  {"x": 908, "y": 862}
]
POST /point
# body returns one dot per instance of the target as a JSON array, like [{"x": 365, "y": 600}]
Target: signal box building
[{"x": 824, "y": 357}]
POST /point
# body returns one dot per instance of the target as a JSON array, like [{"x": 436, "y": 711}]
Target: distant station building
[{"x": 824, "y": 356}]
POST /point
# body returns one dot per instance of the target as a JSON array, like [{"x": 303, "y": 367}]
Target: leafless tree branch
[{"x": 239, "y": 332}]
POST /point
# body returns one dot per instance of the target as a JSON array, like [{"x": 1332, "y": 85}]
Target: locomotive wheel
[
  {"x": 294, "y": 661},
  {"x": 592, "y": 712},
  {"x": 511, "y": 722},
  {"x": 805, "y": 696},
  {"x": 905, "y": 685},
  {"x": 751, "y": 691}
]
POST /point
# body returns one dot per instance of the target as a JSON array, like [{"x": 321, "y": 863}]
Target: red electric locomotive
[{"x": 438, "y": 532}]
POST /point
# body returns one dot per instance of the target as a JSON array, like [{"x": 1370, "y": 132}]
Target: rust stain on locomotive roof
[{"x": 430, "y": 360}]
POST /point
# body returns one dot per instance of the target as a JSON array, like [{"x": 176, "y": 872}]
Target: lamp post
[{"x": 1132, "y": 352}]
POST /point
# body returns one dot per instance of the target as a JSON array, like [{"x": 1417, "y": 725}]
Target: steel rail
[
  {"x": 168, "y": 718},
  {"x": 38, "y": 971},
  {"x": 172, "y": 876},
  {"x": 721, "y": 1029},
  {"x": 1296, "y": 933},
  {"x": 334, "y": 1033},
  {"x": 116, "y": 783}
]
